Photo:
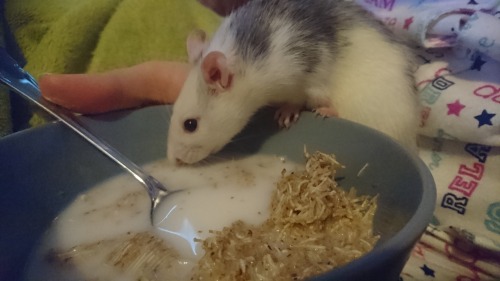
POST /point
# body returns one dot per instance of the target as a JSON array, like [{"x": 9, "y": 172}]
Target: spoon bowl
[{"x": 23, "y": 83}]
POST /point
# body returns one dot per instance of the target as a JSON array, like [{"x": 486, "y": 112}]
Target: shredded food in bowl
[{"x": 314, "y": 227}]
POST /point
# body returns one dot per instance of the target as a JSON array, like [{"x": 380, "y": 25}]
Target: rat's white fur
[
  {"x": 372, "y": 87},
  {"x": 367, "y": 81}
]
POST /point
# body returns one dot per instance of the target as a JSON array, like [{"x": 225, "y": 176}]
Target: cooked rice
[{"x": 314, "y": 226}]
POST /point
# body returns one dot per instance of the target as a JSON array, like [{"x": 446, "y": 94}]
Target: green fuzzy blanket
[{"x": 77, "y": 36}]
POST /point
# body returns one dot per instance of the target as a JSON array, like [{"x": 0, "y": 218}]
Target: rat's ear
[
  {"x": 216, "y": 72},
  {"x": 196, "y": 42}
]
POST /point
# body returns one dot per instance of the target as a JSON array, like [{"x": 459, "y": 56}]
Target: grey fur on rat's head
[
  {"x": 247, "y": 43},
  {"x": 211, "y": 108},
  {"x": 218, "y": 117},
  {"x": 328, "y": 56}
]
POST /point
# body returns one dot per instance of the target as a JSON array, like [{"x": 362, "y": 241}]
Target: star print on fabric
[
  {"x": 427, "y": 271},
  {"x": 455, "y": 108},
  {"x": 478, "y": 63},
  {"x": 472, "y": 2},
  {"x": 408, "y": 22},
  {"x": 484, "y": 118}
]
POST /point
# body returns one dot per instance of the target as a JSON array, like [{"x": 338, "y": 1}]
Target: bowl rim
[
  {"x": 407, "y": 236},
  {"x": 404, "y": 238}
]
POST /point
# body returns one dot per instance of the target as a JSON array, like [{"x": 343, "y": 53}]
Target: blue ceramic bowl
[{"x": 42, "y": 170}]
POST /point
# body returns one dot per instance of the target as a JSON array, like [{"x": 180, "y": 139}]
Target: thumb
[{"x": 144, "y": 84}]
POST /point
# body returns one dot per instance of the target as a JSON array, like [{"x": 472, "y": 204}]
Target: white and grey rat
[{"x": 328, "y": 56}]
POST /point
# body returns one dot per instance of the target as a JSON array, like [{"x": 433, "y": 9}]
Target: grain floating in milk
[
  {"x": 229, "y": 219},
  {"x": 83, "y": 240},
  {"x": 314, "y": 226}
]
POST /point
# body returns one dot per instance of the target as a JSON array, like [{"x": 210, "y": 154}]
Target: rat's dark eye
[{"x": 190, "y": 125}]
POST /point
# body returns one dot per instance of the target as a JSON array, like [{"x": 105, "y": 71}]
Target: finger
[{"x": 144, "y": 84}]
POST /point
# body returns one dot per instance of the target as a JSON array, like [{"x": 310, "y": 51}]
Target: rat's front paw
[
  {"x": 326, "y": 111},
  {"x": 287, "y": 114}
]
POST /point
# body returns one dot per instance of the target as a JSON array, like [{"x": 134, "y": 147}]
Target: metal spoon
[{"x": 21, "y": 82}]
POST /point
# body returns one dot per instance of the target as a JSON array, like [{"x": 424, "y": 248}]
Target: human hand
[
  {"x": 148, "y": 83},
  {"x": 144, "y": 84}
]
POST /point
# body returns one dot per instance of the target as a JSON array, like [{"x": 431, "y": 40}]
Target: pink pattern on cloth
[{"x": 458, "y": 82}]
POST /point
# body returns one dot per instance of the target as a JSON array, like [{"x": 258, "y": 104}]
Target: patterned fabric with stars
[
  {"x": 459, "y": 96},
  {"x": 459, "y": 73},
  {"x": 458, "y": 82}
]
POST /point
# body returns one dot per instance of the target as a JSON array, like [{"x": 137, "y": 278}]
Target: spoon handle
[{"x": 16, "y": 78}]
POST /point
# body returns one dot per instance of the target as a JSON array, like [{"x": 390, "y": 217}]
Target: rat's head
[{"x": 210, "y": 109}]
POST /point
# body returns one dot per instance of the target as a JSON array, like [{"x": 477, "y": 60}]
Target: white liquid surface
[{"x": 214, "y": 196}]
